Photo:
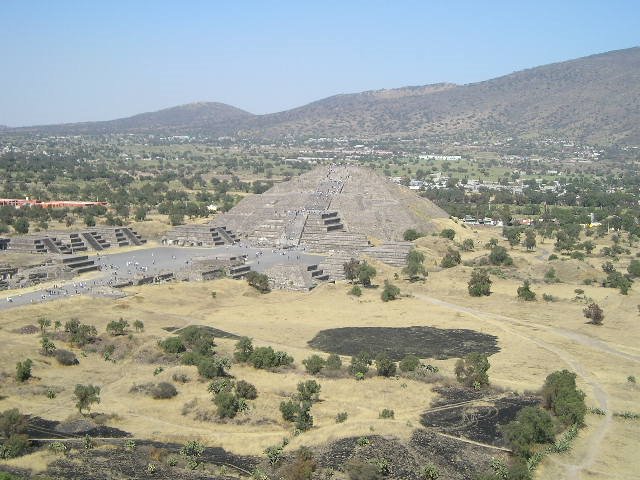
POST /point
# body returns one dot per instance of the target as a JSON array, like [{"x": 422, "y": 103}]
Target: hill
[
  {"x": 181, "y": 120},
  {"x": 594, "y": 99}
]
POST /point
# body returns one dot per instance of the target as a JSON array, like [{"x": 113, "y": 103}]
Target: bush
[
  {"x": 86, "y": 395},
  {"x": 23, "y": 370},
  {"x": 342, "y": 417},
  {"x": 314, "y": 364},
  {"x": 228, "y": 404},
  {"x": 365, "y": 273},
  {"x": 80, "y": 334},
  {"x": 172, "y": 345},
  {"x": 289, "y": 410},
  {"x": 471, "y": 370},
  {"x": 259, "y": 281},
  {"x": 246, "y": 390},
  {"x": 12, "y": 422},
  {"x": 479, "y": 283},
  {"x": 451, "y": 259},
  {"x": 415, "y": 265},
  {"x": 559, "y": 393},
  {"x": 360, "y": 470},
  {"x": 267, "y": 357},
  {"x": 14, "y": 446},
  {"x": 333, "y": 362},
  {"x": 211, "y": 367},
  {"x": 243, "y": 349},
  {"x": 65, "y": 357},
  {"x": 499, "y": 256},
  {"x": 360, "y": 363},
  {"x": 411, "y": 234},
  {"x": 548, "y": 297},
  {"x": 356, "y": 291},
  {"x": 119, "y": 327},
  {"x": 387, "y": 413},
  {"x": 390, "y": 292},
  {"x": 467, "y": 245},
  {"x": 594, "y": 313},
  {"x": 308, "y": 391},
  {"x": 448, "y": 233},
  {"x": 48, "y": 347},
  {"x": 525, "y": 293},
  {"x": 163, "y": 390},
  {"x": 532, "y": 425},
  {"x": 620, "y": 281},
  {"x": 384, "y": 366},
  {"x": 220, "y": 385},
  {"x": 409, "y": 363}
]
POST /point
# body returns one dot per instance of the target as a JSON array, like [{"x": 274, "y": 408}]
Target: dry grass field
[{"x": 535, "y": 338}]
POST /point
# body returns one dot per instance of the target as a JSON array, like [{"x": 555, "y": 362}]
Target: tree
[
  {"x": 86, "y": 395},
  {"x": 594, "y": 313},
  {"x": 360, "y": 363},
  {"x": 499, "y": 256},
  {"x": 634, "y": 268},
  {"x": 117, "y": 328},
  {"x": 365, "y": 273},
  {"x": 243, "y": 349},
  {"x": 532, "y": 425},
  {"x": 172, "y": 345},
  {"x": 588, "y": 246},
  {"x": 411, "y": 234},
  {"x": 12, "y": 422},
  {"x": 23, "y": 370},
  {"x": 559, "y": 393},
  {"x": 21, "y": 225},
  {"x": 384, "y": 366},
  {"x": 390, "y": 292},
  {"x": 415, "y": 265},
  {"x": 480, "y": 283},
  {"x": 620, "y": 281},
  {"x": 138, "y": 325},
  {"x": 351, "y": 269},
  {"x": 512, "y": 234},
  {"x": 467, "y": 245},
  {"x": 211, "y": 367},
  {"x": 525, "y": 293},
  {"x": 530, "y": 239},
  {"x": 471, "y": 370},
  {"x": 314, "y": 364},
  {"x": 259, "y": 281},
  {"x": 448, "y": 233},
  {"x": 228, "y": 404},
  {"x": 409, "y": 363},
  {"x": 333, "y": 362},
  {"x": 176, "y": 219},
  {"x": 48, "y": 347},
  {"x": 44, "y": 323},
  {"x": 90, "y": 220},
  {"x": 451, "y": 259},
  {"x": 140, "y": 214},
  {"x": 308, "y": 391},
  {"x": 246, "y": 390}
]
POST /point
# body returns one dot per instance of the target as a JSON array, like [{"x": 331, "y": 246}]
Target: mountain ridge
[{"x": 595, "y": 99}]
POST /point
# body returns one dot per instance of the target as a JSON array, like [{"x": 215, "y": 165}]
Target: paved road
[{"x": 116, "y": 268}]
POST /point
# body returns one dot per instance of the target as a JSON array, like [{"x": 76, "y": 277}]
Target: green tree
[
  {"x": 48, "y": 347},
  {"x": 138, "y": 325},
  {"x": 21, "y": 225},
  {"x": 634, "y": 268},
  {"x": 472, "y": 370},
  {"x": 314, "y": 364},
  {"x": 525, "y": 293},
  {"x": 384, "y": 365},
  {"x": 448, "y": 233},
  {"x": 451, "y": 259},
  {"x": 415, "y": 265},
  {"x": 118, "y": 327},
  {"x": 259, "y": 281},
  {"x": 411, "y": 234},
  {"x": 308, "y": 391},
  {"x": 532, "y": 425},
  {"x": 23, "y": 370},
  {"x": 86, "y": 395},
  {"x": 243, "y": 349},
  {"x": 594, "y": 313},
  {"x": 530, "y": 239},
  {"x": 365, "y": 273},
  {"x": 560, "y": 394},
  {"x": 389, "y": 292},
  {"x": 333, "y": 362},
  {"x": 467, "y": 245},
  {"x": 211, "y": 367},
  {"x": 360, "y": 363},
  {"x": 90, "y": 220},
  {"x": 479, "y": 283},
  {"x": 499, "y": 256},
  {"x": 409, "y": 363},
  {"x": 44, "y": 323}
]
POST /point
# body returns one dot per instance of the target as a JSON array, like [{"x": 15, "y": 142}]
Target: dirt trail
[{"x": 519, "y": 328}]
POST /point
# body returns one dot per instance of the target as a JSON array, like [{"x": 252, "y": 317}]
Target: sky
[{"x": 70, "y": 61}]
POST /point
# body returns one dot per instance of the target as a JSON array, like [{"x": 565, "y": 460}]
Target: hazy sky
[{"x": 67, "y": 61}]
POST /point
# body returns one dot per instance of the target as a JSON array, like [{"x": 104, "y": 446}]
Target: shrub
[
  {"x": 246, "y": 390},
  {"x": 163, "y": 390},
  {"x": 479, "y": 283},
  {"x": 333, "y": 362},
  {"x": 365, "y": 273},
  {"x": 387, "y": 413},
  {"x": 259, "y": 281},
  {"x": 308, "y": 391},
  {"x": 342, "y": 417},
  {"x": 384, "y": 366},
  {"x": 525, "y": 293},
  {"x": 415, "y": 265},
  {"x": 356, "y": 291},
  {"x": 12, "y": 422},
  {"x": 559, "y": 393},
  {"x": 409, "y": 363},
  {"x": 48, "y": 347},
  {"x": 451, "y": 259},
  {"x": 301, "y": 468},
  {"x": 411, "y": 234},
  {"x": 119, "y": 327},
  {"x": 594, "y": 313},
  {"x": 289, "y": 410},
  {"x": 360, "y": 363},
  {"x": 390, "y": 292},
  {"x": 360, "y": 470},
  {"x": 550, "y": 276},
  {"x": 499, "y": 256},
  {"x": 429, "y": 472},
  {"x": 80, "y": 334},
  {"x": 467, "y": 245},
  {"x": 471, "y": 370},
  {"x": 314, "y": 364},
  {"x": 243, "y": 349},
  {"x": 532, "y": 425},
  {"x": 620, "y": 281},
  {"x": 14, "y": 446},
  {"x": 220, "y": 385},
  {"x": 172, "y": 345},
  {"x": 448, "y": 233},
  {"x": 267, "y": 357},
  {"x": 211, "y": 367},
  {"x": 23, "y": 370},
  {"x": 228, "y": 404},
  {"x": 547, "y": 297},
  {"x": 86, "y": 395},
  {"x": 304, "y": 420},
  {"x": 138, "y": 325}
]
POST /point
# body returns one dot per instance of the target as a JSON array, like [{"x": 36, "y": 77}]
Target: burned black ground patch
[
  {"x": 38, "y": 428},
  {"x": 424, "y": 342},
  {"x": 476, "y": 421}
]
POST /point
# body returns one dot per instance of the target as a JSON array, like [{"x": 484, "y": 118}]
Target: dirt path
[{"x": 519, "y": 328}]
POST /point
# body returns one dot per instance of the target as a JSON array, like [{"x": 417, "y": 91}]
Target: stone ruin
[{"x": 334, "y": 211}]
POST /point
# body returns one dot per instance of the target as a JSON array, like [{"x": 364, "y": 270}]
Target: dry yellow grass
[{"x": 535, "y": 339}]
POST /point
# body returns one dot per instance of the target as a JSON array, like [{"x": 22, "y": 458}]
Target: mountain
[
  {"x": 190, "y": 118},
  {"x": 594, "y": 99}
]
